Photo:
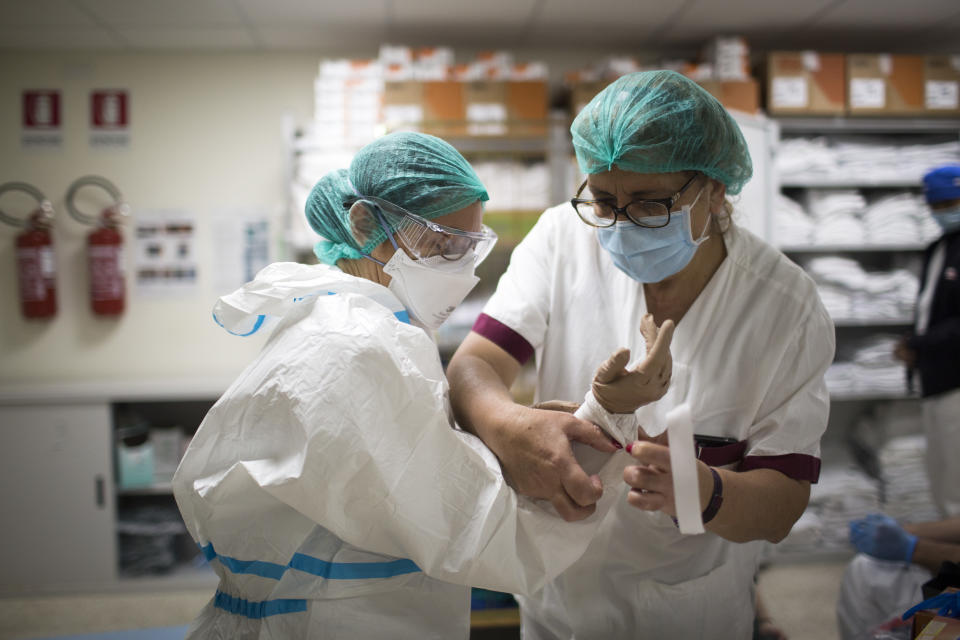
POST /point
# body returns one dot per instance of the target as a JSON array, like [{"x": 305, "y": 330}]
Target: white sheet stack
[
  {"x": 868, "y": 367},
  {"x": 837, "y": 214},
  {"x": 906, "y": 487},
  {"x": 863, "y": 161},
  {"x": 850, "y": 293},
  {"x": 842, "y": 494},
  {"x": 897, "y": 219},
  {"x": 792, "y": 225}
]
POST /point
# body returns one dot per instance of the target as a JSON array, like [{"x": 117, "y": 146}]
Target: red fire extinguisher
[
  {"x": 36, "y": 266},
  {"x": 104, "y": 247}
]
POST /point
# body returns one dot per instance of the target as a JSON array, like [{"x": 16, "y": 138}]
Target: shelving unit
[{"x": 849, "y": 406}]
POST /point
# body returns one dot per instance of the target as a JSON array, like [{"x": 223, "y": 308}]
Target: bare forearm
[
  {"x": 477, "y": 393},
  {"x": 932, "y": 553},
  {"x": 762, "y": 504},
  {"x": 940, "y": 531}
]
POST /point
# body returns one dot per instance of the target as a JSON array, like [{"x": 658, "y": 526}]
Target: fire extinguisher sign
[
  {"x": 41, "y": 120},
  {"x": 110, "y": 118}
]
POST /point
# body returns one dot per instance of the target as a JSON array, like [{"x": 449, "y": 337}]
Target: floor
[{"x": 800, "y": 598}]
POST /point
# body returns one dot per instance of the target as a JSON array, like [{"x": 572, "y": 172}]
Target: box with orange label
[
  {"x": 885, "y": 84},
  {"x": 806, "y": 83}
]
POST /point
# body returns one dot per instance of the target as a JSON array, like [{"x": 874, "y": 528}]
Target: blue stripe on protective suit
[
  {"x": 313, "y": 566},
  {"x": 257, "y": 610},
  {"x": 256, "y": 327},
  {"x": 351, "y": 570}
]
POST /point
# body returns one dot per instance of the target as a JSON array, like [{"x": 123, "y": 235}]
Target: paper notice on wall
[
  {"x": 942, "y": 94},
  {"x": 242, "y": 247},
  {"x": 790, "y": 92},
  {"x": 165, "y": 252},
  {"x": 868, "y": 93}
]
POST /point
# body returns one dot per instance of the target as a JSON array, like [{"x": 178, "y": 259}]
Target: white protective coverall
[{"x": 330, "y": 489}]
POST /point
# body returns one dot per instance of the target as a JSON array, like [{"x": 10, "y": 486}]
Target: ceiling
[{"x": 350, "y": 26}]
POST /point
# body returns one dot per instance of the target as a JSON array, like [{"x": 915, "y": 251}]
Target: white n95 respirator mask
[{"x": 430, "y": 290}]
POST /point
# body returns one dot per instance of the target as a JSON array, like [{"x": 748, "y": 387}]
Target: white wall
[{"x": 205, "y": 135}]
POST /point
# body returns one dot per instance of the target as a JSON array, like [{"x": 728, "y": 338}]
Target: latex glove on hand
[
  {"x": 880, "y": 536},
  {"x": 621, "y": 391}
]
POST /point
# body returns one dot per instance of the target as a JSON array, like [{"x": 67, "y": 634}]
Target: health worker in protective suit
[
  {"x": 650, "y": 231},
  {"x": 328, "y": 487}
]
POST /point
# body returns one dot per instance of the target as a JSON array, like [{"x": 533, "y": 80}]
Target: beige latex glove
[{"x": 621, "y": 391}]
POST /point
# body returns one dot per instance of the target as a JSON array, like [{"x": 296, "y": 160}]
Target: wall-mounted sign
[
  {"x": 110, "y": 118},
  {"x": 41, "y": 121}
]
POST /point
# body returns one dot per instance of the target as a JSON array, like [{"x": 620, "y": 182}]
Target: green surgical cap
[
  {"x": 661, "y": 122},
  {"x": 419, "y": 172},
  {"x": 328, "y": 217}
]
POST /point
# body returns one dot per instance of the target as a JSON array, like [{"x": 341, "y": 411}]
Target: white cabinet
[{"x": 57, "y": 497}]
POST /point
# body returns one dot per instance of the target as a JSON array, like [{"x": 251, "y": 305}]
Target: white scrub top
[
  {"x": 331, "y": 491},
  {"x": 749, "y": 359}
]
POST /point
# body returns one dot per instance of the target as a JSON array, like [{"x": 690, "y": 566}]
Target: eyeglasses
[
  {"x": 431, "y": 243},
  {"x": 645, "y": 213}
]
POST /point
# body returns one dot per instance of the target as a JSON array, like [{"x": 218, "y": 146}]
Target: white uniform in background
[
  {"x": 330, "y": 490},
  {"x": 875, "y": 591},
  {"x": 748, "y": 357}
]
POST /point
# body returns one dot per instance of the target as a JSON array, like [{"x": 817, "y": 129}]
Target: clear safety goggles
[{"x": 428, "y": 242}]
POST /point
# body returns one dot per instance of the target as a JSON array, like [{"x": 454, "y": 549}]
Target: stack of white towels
[
  {"x": 863, "y": 161},
  {"x": 869, "y": 367},
  {"x": 842, "y": 494},
  {"x": 850, "y": 293},
  {"x": 906, "y": 487},
  {"x": 844, "y": 217}
]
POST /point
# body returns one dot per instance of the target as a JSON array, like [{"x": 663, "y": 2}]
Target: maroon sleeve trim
[
  {"x": 798, "y": 466},
  {"x": 504, "y": 337},
  {"x": 722, "y": 455}
]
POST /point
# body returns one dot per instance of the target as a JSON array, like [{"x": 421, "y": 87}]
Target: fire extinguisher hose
[
  {"x": 31, "y": 190},
  {"x": 96, "y": 181}
]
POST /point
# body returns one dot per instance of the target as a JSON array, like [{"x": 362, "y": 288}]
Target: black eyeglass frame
[{"x": 666, "y": 203}]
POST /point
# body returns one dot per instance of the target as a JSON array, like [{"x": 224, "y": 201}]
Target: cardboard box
[
  {"x": 485, "y": 103},
  {"x": 884, "y": 84},
  {"x": 583, "y": 92},
  {"x": 527, "y": 107},
  {"x": 739, "y": 95},
  {"x": 444, "y": 112},
  {"x": 806, "y": 83},
  {"x": 941, "y": 84},
  {"x": 403, "y": 105}
]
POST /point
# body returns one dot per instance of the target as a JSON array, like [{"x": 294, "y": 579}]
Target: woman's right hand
[
  {"x": 537, "y": 456},
  {"x": 621, "y": 391}
]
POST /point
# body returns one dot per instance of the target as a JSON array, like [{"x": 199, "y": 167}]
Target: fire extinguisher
[
  {"x": 36, "y": 266},
  {"x": 104, "y": 247}
]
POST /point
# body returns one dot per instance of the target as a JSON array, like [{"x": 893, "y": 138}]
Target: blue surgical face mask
[
  {"x": 652, "y": 254},
  {"x": 948, "y": 219}
]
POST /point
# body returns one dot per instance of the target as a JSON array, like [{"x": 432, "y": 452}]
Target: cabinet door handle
[{"x": 100, "y": 491}]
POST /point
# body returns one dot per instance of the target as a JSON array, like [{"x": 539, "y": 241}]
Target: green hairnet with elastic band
[
  {"x": 661, "y": 122},
  {"x": 421, "y": 173}
]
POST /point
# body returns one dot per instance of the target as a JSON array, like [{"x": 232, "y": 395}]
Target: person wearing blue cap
[
  {"x": 648, "y": 244},
  {"x": 933, "y": 348}
]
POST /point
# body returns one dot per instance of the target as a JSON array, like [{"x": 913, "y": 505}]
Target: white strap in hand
[{"x": 683, "y": 464}]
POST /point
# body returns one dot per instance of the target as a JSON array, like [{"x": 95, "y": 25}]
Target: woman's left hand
[{"x": 651, "y": 481}]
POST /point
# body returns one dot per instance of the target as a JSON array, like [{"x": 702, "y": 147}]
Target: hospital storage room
[{"x": 441, "y": 319}]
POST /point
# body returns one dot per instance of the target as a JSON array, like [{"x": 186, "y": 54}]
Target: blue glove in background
[{"x": 880, "y": 536}]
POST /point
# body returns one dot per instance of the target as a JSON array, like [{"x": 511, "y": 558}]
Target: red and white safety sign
[
  {"x": 110, "y": 118},
  {"x": 41, "y": 118}
]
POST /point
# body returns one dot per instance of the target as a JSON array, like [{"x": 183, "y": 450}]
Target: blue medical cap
[
  {"x": 942, "y": 183},
  {"x": 661, "y": 122}
]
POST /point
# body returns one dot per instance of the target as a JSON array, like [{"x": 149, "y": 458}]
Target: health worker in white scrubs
[
  {"x": 328, "y": 487},
  {"x": 651, "y": 230}
]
